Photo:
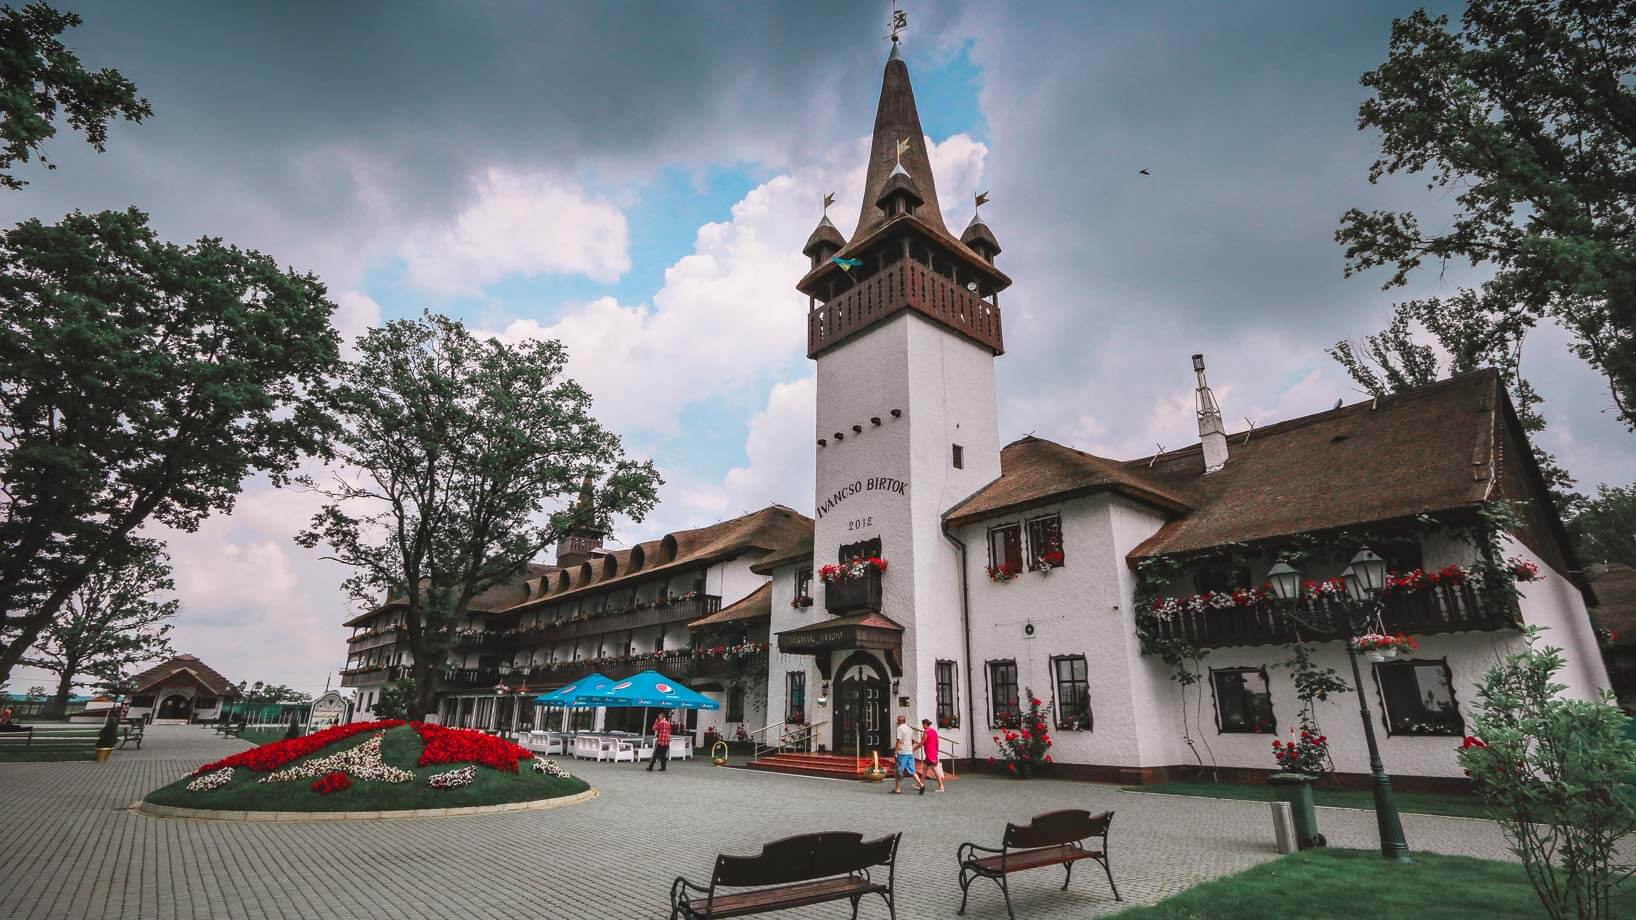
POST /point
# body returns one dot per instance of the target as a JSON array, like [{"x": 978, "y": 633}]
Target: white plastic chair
[
  {"x": 623, "y": 750},
  {"x": 681, "y": 748},
  {"x": 645, "y": 752}
]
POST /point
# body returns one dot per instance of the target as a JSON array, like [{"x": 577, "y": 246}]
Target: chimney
[{"x": 1212, "y": 434}]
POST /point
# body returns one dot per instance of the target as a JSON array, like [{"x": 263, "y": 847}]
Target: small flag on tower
[
  {"x": 828, "y": 200},
  {"x": 903, "y": 147},
  {"x": 847, "y": 264},
  {"x": 982, "y": 199}
]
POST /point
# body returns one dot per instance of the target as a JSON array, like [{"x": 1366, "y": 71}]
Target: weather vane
[
  {"x": 828, "y": 200},
  {"x": 900, "y": 22},
  {"x": 979, "y": 201}
]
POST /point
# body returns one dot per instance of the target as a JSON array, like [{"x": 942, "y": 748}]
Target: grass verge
[
  {"x": 401, "y": 748},
  {"x": 47, "y": 755},
  {"x": 1424, "y": 803},
  {"x": 1329, "y": 884}
]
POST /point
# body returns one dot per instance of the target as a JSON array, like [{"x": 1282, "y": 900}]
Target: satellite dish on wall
[{"x": 1028, "y": 629}]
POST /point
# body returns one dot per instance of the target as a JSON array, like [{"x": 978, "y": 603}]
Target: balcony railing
[
  {"x": 676, "y": 611},
  {"x": 905, "y": 284},
  {"x": 368, "y": 676},
  {"x": 1444, "y": 609},
  {"x": 853, "y": 595}
]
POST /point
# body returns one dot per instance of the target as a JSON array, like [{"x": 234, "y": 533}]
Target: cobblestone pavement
[{"x": 71, "y": 850}]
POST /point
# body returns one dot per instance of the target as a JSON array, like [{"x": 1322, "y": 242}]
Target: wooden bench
[
  {"x": 25, "y": 735},
  {"x": 1056, "y": 838},
  {"x": 133, "y": 732},
  {"x": 793, "y": 872}
]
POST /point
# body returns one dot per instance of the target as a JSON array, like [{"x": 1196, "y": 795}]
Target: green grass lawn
[
  {"x": 1328, "y": 884},
  {"x": 260, "y": 736},
  {"x": 46, "y": 755},
  {"x": 401, "y": 748},
  {"x": 1425, "y": 803}
]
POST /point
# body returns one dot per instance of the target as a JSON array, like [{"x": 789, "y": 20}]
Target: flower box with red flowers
[
  {"x": 1381, "y": 647},
  {"x": 1048, "y": 560},
  {"x": 802, "y": 601},
  {"x": 1003, "y": 572},
  {"x": 857, "y": 588}
]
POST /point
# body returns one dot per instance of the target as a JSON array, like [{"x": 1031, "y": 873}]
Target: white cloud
[
  {"x": 526, "y": 225},
  {"x": 728, "y": 314}
]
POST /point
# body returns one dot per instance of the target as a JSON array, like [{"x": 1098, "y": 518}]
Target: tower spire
[{"x": 896, "y": 120}]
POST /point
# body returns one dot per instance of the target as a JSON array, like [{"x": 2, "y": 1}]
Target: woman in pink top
[{"x": 929, "y": 744}]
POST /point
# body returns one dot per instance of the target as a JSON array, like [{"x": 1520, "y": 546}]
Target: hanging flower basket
[{"x": 1382, "y": 647}]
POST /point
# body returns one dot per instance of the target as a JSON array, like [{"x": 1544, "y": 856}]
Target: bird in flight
[{"x": 1145, "y": 172}]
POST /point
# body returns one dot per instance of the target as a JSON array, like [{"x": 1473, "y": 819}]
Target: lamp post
[{"x": 1363, "y": 580}]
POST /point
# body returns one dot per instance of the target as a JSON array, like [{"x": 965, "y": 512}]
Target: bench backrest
[
  {"x": 1055, "y": 828},
  {"x": 804, "y": 858}
]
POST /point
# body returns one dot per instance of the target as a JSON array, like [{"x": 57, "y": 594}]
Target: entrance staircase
[{"x": 829, "y": 766}]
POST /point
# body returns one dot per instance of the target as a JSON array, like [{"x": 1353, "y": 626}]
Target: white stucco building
[{"x": 1032, "y": 566}]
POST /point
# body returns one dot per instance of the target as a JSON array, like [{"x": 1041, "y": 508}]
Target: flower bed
[
  {"x": 378, "y": 772},
  {"x": 857, "y": 568},
  {"x": 275, "y": 755},
  {"x": 463, "y": 745}
]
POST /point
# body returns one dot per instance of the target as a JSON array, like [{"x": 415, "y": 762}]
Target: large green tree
[
  {"x": 460, "y": 459},
  {"x": 115, "y": 620},
  {"x": 1524, "y": 117},
  {"x": 40, "y": 76},
  {"x": 1604, "y": 529},
  {"x": 140, "y": 381}
]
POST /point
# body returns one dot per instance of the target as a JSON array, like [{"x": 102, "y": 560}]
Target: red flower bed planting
[
  {"x": 463, "y": 745},
  {"x": 277, "y": 754},
  {"x": 331, "y": 782}
]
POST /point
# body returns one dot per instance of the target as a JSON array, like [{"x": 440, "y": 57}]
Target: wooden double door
[{"x": 861, "y": 707}]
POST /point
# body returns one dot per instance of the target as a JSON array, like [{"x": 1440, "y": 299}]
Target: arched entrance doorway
[
  {"x": 175, "y": 706},
  {"x": 860, "y": 706}
]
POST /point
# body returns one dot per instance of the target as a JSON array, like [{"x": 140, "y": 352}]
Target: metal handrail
[{"x": 804, "y": 735}]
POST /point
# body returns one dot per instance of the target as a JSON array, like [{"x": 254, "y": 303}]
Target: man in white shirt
[{"x": 903, "y": 746}]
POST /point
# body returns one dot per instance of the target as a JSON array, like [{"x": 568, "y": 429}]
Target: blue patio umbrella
[
  {"x": 650, "y": 689},
  {"x": 571, "y": 695}
]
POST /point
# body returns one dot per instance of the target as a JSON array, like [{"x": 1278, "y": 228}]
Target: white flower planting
[
  {"x": 210, "y": 781},
  {"x": 453, "y": 779},
  {"x": 361, "y": 762},
  {"x": 550, "y": 768}
]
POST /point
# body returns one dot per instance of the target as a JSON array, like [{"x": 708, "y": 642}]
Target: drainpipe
[{"x": 965, "y": 635}]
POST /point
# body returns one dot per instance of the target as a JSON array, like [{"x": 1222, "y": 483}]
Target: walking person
[
  {"x": 661, "y": 743},
  {"x": 903, "y": 746},
  {"x": 929, "y": 745}
]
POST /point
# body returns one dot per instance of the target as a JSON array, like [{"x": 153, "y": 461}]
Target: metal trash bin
[{"x": 1296, "y": 789}]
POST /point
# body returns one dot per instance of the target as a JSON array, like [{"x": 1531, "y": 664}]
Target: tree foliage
[
  {"x": 111, "y": 622},
  {"x": 139, "y": 381},
  {"x": 398, "y": 700},
  {"x": 39, "y": 76},
  {"x": 461, "y": 456},
  {"x": 1604, "y": 529},
  {"x": 1526, "y": 115},
  {"x": 1555, "y": 770},
  {"x": 263, "y": 693}
]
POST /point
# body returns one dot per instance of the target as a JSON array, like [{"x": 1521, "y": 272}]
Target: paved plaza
[{"x": 73, "y": 850}]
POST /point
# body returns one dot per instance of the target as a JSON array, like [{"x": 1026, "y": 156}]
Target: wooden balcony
[
  {"x": 366, "y": 677},
  {"x": 853, "y": 595},
  {"x": 1444, "y": 609},
  {"x": 675, "y": 612},
  {"x": 904, "y": 285}
]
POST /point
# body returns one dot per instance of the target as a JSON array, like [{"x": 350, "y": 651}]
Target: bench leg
[
  {"x": 891, "y": 906},
  {"x": 1006, "y": 890},
  {"x": 965, "y": 891},
  {"x": 1069, "y": 876},
  {"x": 1109, "y": 870}
]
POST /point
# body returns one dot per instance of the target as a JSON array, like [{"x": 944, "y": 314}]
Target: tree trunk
[
  {"x": 425, "y": 693},
  {"x": 58, "y": 707}
]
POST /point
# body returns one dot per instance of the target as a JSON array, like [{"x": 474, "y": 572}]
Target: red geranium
[
  {"x": 463, "y": 745},
  {"x": 331, "y": 782},
  {"x": 277, "y": 754}
]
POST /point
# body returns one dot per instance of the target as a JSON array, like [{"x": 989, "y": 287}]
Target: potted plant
[
  {"x": 107, "y": 738},
  {"x": 1301, "y": 762},
  {"x": 1382, "y": 647}
]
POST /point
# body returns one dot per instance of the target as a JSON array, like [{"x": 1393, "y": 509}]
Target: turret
[
  {"x": 899, "y": 196},
  {"x": 824, "y": 243},
  {"x": 980, "y": 239}
]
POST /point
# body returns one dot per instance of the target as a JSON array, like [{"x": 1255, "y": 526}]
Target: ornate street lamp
[{"x": 1363, "y": 580}]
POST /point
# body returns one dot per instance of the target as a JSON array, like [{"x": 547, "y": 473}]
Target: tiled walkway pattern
[{"x": 69, "y": 849}]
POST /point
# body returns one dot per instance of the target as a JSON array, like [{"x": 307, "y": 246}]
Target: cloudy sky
[{"x": 637, "y": 180}]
